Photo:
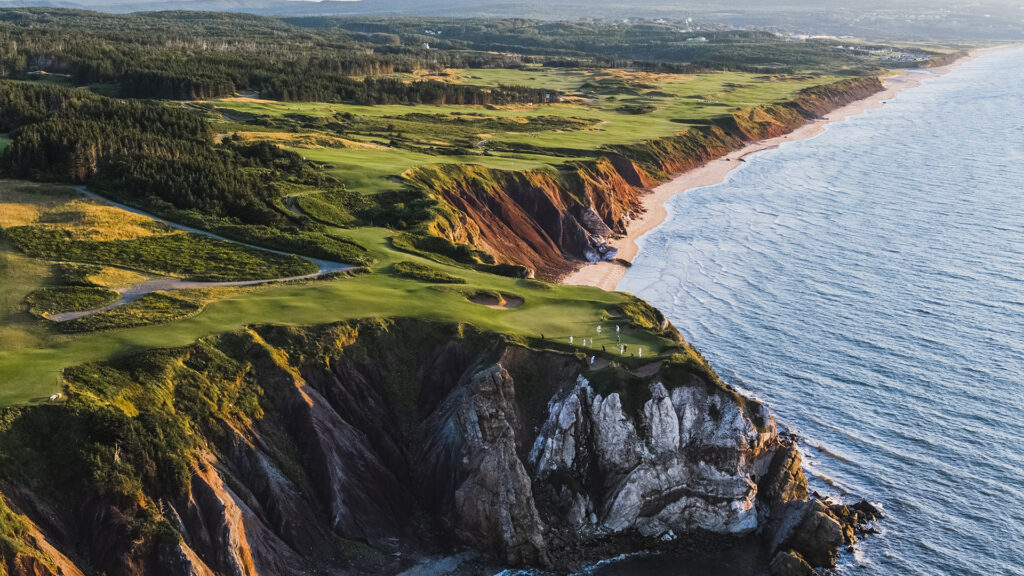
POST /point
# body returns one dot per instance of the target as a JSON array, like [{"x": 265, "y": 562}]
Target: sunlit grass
[
  {"x": 31, "y": 358},
  {"x": 675, "y": 100},
  {"x": 553, "y": 311}
]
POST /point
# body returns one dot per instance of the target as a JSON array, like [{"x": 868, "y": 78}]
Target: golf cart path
[{"x": 136, "y": 291}]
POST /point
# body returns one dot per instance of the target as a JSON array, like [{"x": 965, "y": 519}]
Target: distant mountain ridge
[
  {"x": 909, "y": 20},
  {"x": 266, "y": 7}
]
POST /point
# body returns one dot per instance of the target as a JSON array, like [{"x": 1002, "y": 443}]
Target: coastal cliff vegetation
[{"x": 362, "y": 447}]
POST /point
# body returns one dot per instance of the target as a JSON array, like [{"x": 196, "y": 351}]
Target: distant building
[{"x": 426, "y": 46}]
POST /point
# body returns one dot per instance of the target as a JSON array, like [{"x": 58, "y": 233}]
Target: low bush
[
  {"x": 188, "y": 255},
  {"x": 46, "y": 301},
  {"x": 509, "y": 270},
  {"x": 155, "y": 308},
  {"x": 13, "y": 531},
  {"x": 347, "y": 273},
  {"x": 641, "y": 314},
  {"x": 425, "y": 273},
  {"x": 314, "y": 241},
  {"x": 71, "y": 274},
  {"x": 636, "y": 108}
]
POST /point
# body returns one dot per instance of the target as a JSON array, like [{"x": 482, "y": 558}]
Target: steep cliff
[
  {"x": 538, "y": 218},
  {"x": 359, "y": 448},
  {"x": 550, "y": 220}
]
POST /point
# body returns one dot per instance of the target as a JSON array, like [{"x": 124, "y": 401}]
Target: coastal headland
[
  {"x": 307, "y": 318},
  {"x": 608, "y": 273}
]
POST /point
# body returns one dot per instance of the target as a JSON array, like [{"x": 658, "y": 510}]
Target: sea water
[{"x": 868, "y": 284}]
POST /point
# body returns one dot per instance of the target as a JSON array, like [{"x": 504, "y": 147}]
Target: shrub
[
  {"x": 155, "y": 308},
  {"x": 190, "y": 255},
  {"x": 46, "y": 301},
  {"x": 636, "y": 108},
  {"x": 641, "y": 314},
  {"x": 425, "y": 273},
  {"x": 70, "y": 274}
]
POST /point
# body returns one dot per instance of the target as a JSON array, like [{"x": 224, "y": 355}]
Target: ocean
[{"x": 868, "y": 284}]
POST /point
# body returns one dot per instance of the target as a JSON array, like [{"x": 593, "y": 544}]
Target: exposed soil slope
[{"x": 548, "y": 221}]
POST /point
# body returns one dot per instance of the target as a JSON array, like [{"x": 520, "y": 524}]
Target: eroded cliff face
[
  {"x": 538, "y": 219},
  {"x": 671, "y": 469},
  {"x": 549, "y": 221},
  {"x": 359, "y": 448}
]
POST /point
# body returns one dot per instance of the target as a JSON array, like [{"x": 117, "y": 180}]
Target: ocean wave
[{"x": 866, "y": 284}]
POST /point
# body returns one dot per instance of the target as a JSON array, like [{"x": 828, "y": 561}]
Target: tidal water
[{"x": 868, "y": 284}]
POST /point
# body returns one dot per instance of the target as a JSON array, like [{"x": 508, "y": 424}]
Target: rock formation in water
[{"x": 359, "y": 448}]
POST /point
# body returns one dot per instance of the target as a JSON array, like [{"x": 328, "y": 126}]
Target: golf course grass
[
  {"x": 602, "y": 102},
  {"x": 32, "y": 355},
  {"x": 365, "y": 147}
]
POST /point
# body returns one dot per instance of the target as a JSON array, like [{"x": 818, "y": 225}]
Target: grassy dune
[
  {"x": 31, "y": 357},
  {"x": 58, "y": 224}
]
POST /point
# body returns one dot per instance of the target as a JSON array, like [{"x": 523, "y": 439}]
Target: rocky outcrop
[
  {"x": 811, "y": 532},
  {"x": 790, "y": 564},
  {"x": 550, "y": 220},
  {"x": 668, "y": 470},
  {"x": 785, "y": 480},
  {"x": 360, "y": 448},
  {"x": 493, "y": 504}
]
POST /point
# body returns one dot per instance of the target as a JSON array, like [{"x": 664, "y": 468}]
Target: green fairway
[
  {"x": 371, "y": 171},
  {"x": 30, "y": 370},
  {"x": 677, "y": 97},
  {"x": 366, "y": 157},
  {"x": 556, "y": 312}
]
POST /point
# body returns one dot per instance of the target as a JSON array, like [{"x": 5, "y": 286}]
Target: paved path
[{"x": 136, "y": 291}]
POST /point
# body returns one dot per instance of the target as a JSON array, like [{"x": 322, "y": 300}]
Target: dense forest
[
  {"x": 190, "y": 55},
  {"x": 652, "y": 45},
  {"x": 163, "y": 157},
  {"x": 68, "y": 135},
  {"x": 194, "y": 55}
]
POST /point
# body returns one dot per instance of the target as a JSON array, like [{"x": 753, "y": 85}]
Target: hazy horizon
[{"x": 915, "y": 20}]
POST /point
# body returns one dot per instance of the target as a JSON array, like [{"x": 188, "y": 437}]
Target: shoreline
[{"x": 607, "y": 274}]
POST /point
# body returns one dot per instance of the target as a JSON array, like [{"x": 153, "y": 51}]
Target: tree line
[
  {"x": 143, "y": 149},
  {"x": 188, "y": 56}
]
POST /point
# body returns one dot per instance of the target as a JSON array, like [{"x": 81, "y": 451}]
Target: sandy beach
[{"x": 606, "y": 275}]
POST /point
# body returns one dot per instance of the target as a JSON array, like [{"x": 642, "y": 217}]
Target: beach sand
[{"x": 606, "y": 275}]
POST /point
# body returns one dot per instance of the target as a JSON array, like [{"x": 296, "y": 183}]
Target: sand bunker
[{"x": 496, "y": 301}]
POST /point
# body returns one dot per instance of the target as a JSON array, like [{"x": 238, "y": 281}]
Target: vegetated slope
[
  {"x": 165, "y": 158},
  {"x": 546, "y": 220},
  {"x": 360, "y": 447}
]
